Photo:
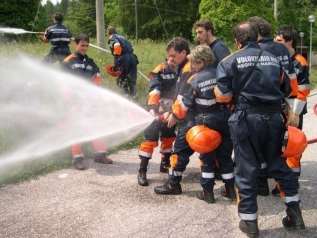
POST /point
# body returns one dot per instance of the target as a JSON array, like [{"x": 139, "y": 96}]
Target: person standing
[
  {"x": 81, "y": 65},
  {"x": 253, "y": 80},
  {"x": 125, "y": 61},
  {"x": 59, "y": 36}
]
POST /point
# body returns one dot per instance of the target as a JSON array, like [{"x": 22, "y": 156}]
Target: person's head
[
  {"x": 245, "y": 32},
  {"x": 287, "y": 35},
  {"x": 177, "y": 50},
  {"x": 111, "y": 30},
  {"x": 204, "y": 31},
  {"x": 200, "y": 57},
  {"x": 58, "y": 18},
  {"x": 82, "y": 43},
  {"x": 263, "y": 26}
]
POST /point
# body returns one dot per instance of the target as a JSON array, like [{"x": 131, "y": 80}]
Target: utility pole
[
  {"x": 275, "y": 10},
  {"x": 100, "y": 23},
  {"x": 136, "y": 19}
]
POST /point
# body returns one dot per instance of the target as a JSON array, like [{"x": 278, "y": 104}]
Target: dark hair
[
  {"x": 206, "y": 24},
  {"x": 264, "y": 27},
  {"x": 58, "y": 17},
  {"x": 244, "y": 32},
  {"x": 111, "y": 30},
  {"x": 178, "y": 44},
  {"x": 289, "y": 34},
  {"x": 81, "y": 37}
]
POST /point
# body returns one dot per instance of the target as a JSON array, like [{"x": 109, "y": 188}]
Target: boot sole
[
  {"x": 163, "y": 193},
  {"x": 143, "y": 185},
  {"x": 293, "y": 228}
]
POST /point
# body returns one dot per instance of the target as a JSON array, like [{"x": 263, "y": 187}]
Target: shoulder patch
[
  {"x": 69, "y": 58},
  {"x": 158, "y": 68},
  {"x": 301, "y": 60}
]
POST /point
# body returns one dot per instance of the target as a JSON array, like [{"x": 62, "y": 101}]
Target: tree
[
  {"x": 159, "y": 19},
  {"x": 81, "y": 17},
  {"x": 295, "y": 13},
  {"x": 226, "y": 13},
  {"x": 24, "y": 9}
]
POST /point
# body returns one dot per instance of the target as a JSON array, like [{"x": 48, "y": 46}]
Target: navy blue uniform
[
  {"x": 82, "y": 66},
  {"x": 252, "y": 79},
  {"x": 220, "y": 51},
  {"x": 125, "y": 61},
  {"x": 198, "y": 97},
  {"x": 161, "y": 95},
  {"x": 59, "y": 37}
]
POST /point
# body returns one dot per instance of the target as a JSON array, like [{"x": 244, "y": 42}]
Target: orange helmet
[
  {"x": 295, "y": 142},
  {"x": 110, "y": 70},
  {"x": 203, "y": 139}
]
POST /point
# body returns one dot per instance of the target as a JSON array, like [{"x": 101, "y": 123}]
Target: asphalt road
[{"x": 105, "y": 201}]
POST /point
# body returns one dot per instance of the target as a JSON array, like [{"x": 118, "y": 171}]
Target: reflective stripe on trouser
[
  {"x": 215, "y": 120},
  {"x": 167, "y": 144},
  {"x": 207, "y": 171},
  {"x": 258, "y": 137},
  {"x": 152, "y": 134},
  {"x": 146, "y": 149},
  {"x": 181, "y": 154},
  {"x": 98, "y": 146}
]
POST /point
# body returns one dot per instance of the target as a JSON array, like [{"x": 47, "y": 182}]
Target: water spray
[
  {"x": 43, "y": 110},
  {"x": 18, "y": 31}
]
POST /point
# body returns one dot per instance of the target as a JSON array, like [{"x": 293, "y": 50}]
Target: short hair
[
  {"x": 206, "y": 24},
  {"x": 203, "y": 53},
  {"x": 289, "y": 33},
  {"x": 244, "y": 32},
  {"x": 178, "y": 44},
  {"x": 264, "y": 27},
  {"x": 58, "y": 17},
  {"x": 111, "y": 30},
  {"x": 81, "y": 37}
]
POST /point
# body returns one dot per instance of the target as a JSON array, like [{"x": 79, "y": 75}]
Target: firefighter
[
  {"x": 253, "y": 80},
  {"x": 287, "y": 36},
  {"x": 197, "y": 98},
  {"x": 81, "y": 65},
  {"x": 266, "y": 42},
  {"x": 125, "y": 61},
  {"x": 59, "y": 36},
  {"x": 160, "y": 99},
  {"x": 205, "y": 35},
  {"x": 177, "y": 51}
]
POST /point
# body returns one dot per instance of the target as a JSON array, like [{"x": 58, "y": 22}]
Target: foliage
[
  {"x": 159, "y": 19},
  {"x": 226, "y": 13}
]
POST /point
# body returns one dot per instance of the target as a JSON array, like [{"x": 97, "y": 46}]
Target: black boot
[
  {"x": 294, "y": 219},
  {"x": 263, "y": 186},
  {"x": 206, "y": 196},
  {"x": 229, "y": 192},
  {"x": 250, "y": 228},
  {"x": 142, "y": 180},
  {"x": 168, "y": 188},
  {"x": 78, "y": 163},
  {"x": 165, "y": 163}
]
